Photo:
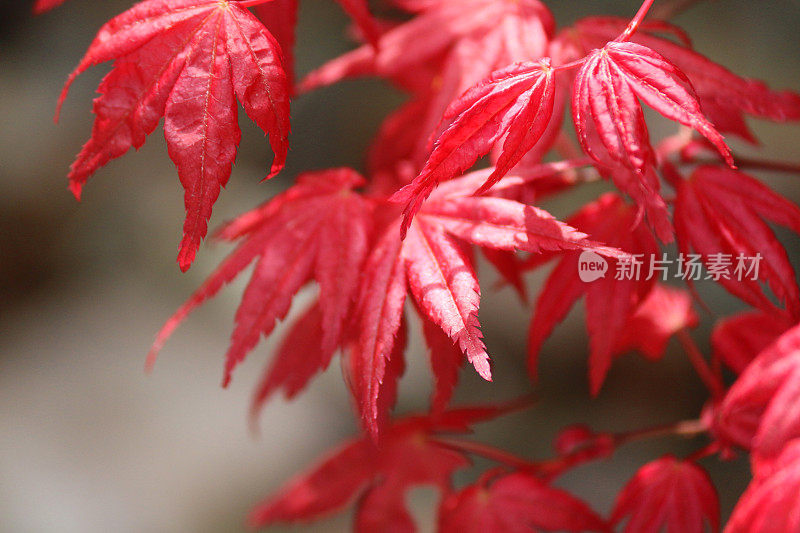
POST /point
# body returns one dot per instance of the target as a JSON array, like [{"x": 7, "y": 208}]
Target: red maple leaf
[
  {"x": 515, "y": 502},
  {"x": 759, "y": 412},
  {"x": 661, "y": 314},
  {"x": 668, "y": 493},
  {"x": 515, "y": 103},
  {"x": 578, "y": 444},
  {"x": 610, "y": 302},
  {"x": 446, "y": 359},
  {"x": 770, "y": 503},
  {"x": 737, "y": 340},
  {"x": 723, "y": 211},
  {"x": 610, "y": 121},
  {"x": 317, "y": 229},
  {"x": 724, "y": 97},
  {"x": 379, "y": 476},
  {"x": 189, "y": 61},
  {"x": 434, "y": 265}
]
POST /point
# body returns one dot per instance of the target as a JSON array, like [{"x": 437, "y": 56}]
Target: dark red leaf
[
  {"x": 668, "y": 494},
  {"x": 516, "y": 502},
  {"x": 446, "y": 359},
  {"x": 407, "y": 456},
  {"x": 299, "y": 357},
  {"x": 663, "y": 313}
]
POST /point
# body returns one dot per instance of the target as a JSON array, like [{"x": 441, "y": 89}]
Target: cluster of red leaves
[{"x": 484, "y": 78}]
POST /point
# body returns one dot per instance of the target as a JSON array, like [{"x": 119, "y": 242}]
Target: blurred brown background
[{"x": 88, "y": 443}]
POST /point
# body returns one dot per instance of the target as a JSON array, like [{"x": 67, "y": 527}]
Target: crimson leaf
[{"x": 189, "y": 61}]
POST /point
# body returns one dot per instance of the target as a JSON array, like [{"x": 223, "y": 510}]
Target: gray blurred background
[{"x": 89, "y": 443}]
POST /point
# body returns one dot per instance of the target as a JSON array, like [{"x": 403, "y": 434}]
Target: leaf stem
[
  {"x": 685, "y": 428},
  {"x": 635, "y": 22},
  {"x": 251, "y": 3},
  {"x": 571, "y": 64},
  {"x": 542, "y": 171},
  {"x": 711, "y": 380},
  {"x": 630, "y": 30},
  {"x": 601, "y": 446},
  {"x": 488, "y": 452}
]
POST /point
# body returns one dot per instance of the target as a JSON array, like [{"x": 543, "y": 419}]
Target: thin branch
[{"x": 600, "y": 446}]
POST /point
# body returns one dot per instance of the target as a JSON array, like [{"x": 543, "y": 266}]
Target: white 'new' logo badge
[{"x": 591, "y": 266}]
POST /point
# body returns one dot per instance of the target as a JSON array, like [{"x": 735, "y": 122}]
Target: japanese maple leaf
[
  {"x": 723, "y": 211},
  {"x": 759, "y": 412},
  {"x": 724, "y": 96},
  {"x": 610, "y": 121},
  {"x": 515, "y": 102},
  {"x": 515, "y": 502},
  {"x": 664, "y": 312},
  {"x": 280, "y": 17},
  {"x": 318, "y": 229},
  {"x": 737, "y": 340},
  {"x": 433, "y": 264},
  {"x": 378, "y": 476},
  {"x": 770, "y": 503},
  {"x": 668, "y": 493},
  {"x": 188, "y": 61},
  {"x": 610, "y": 302}
]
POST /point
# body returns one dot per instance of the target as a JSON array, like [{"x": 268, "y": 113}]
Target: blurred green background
[{"x": 89, "y": 443}]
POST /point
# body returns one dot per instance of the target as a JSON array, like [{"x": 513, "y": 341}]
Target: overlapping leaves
[{"x": 378, "y": 477}]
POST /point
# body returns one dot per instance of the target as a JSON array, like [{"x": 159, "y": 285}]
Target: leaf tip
[
  {"x": 186, "y": 255},
  {"x": 150, "y": 360}
]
